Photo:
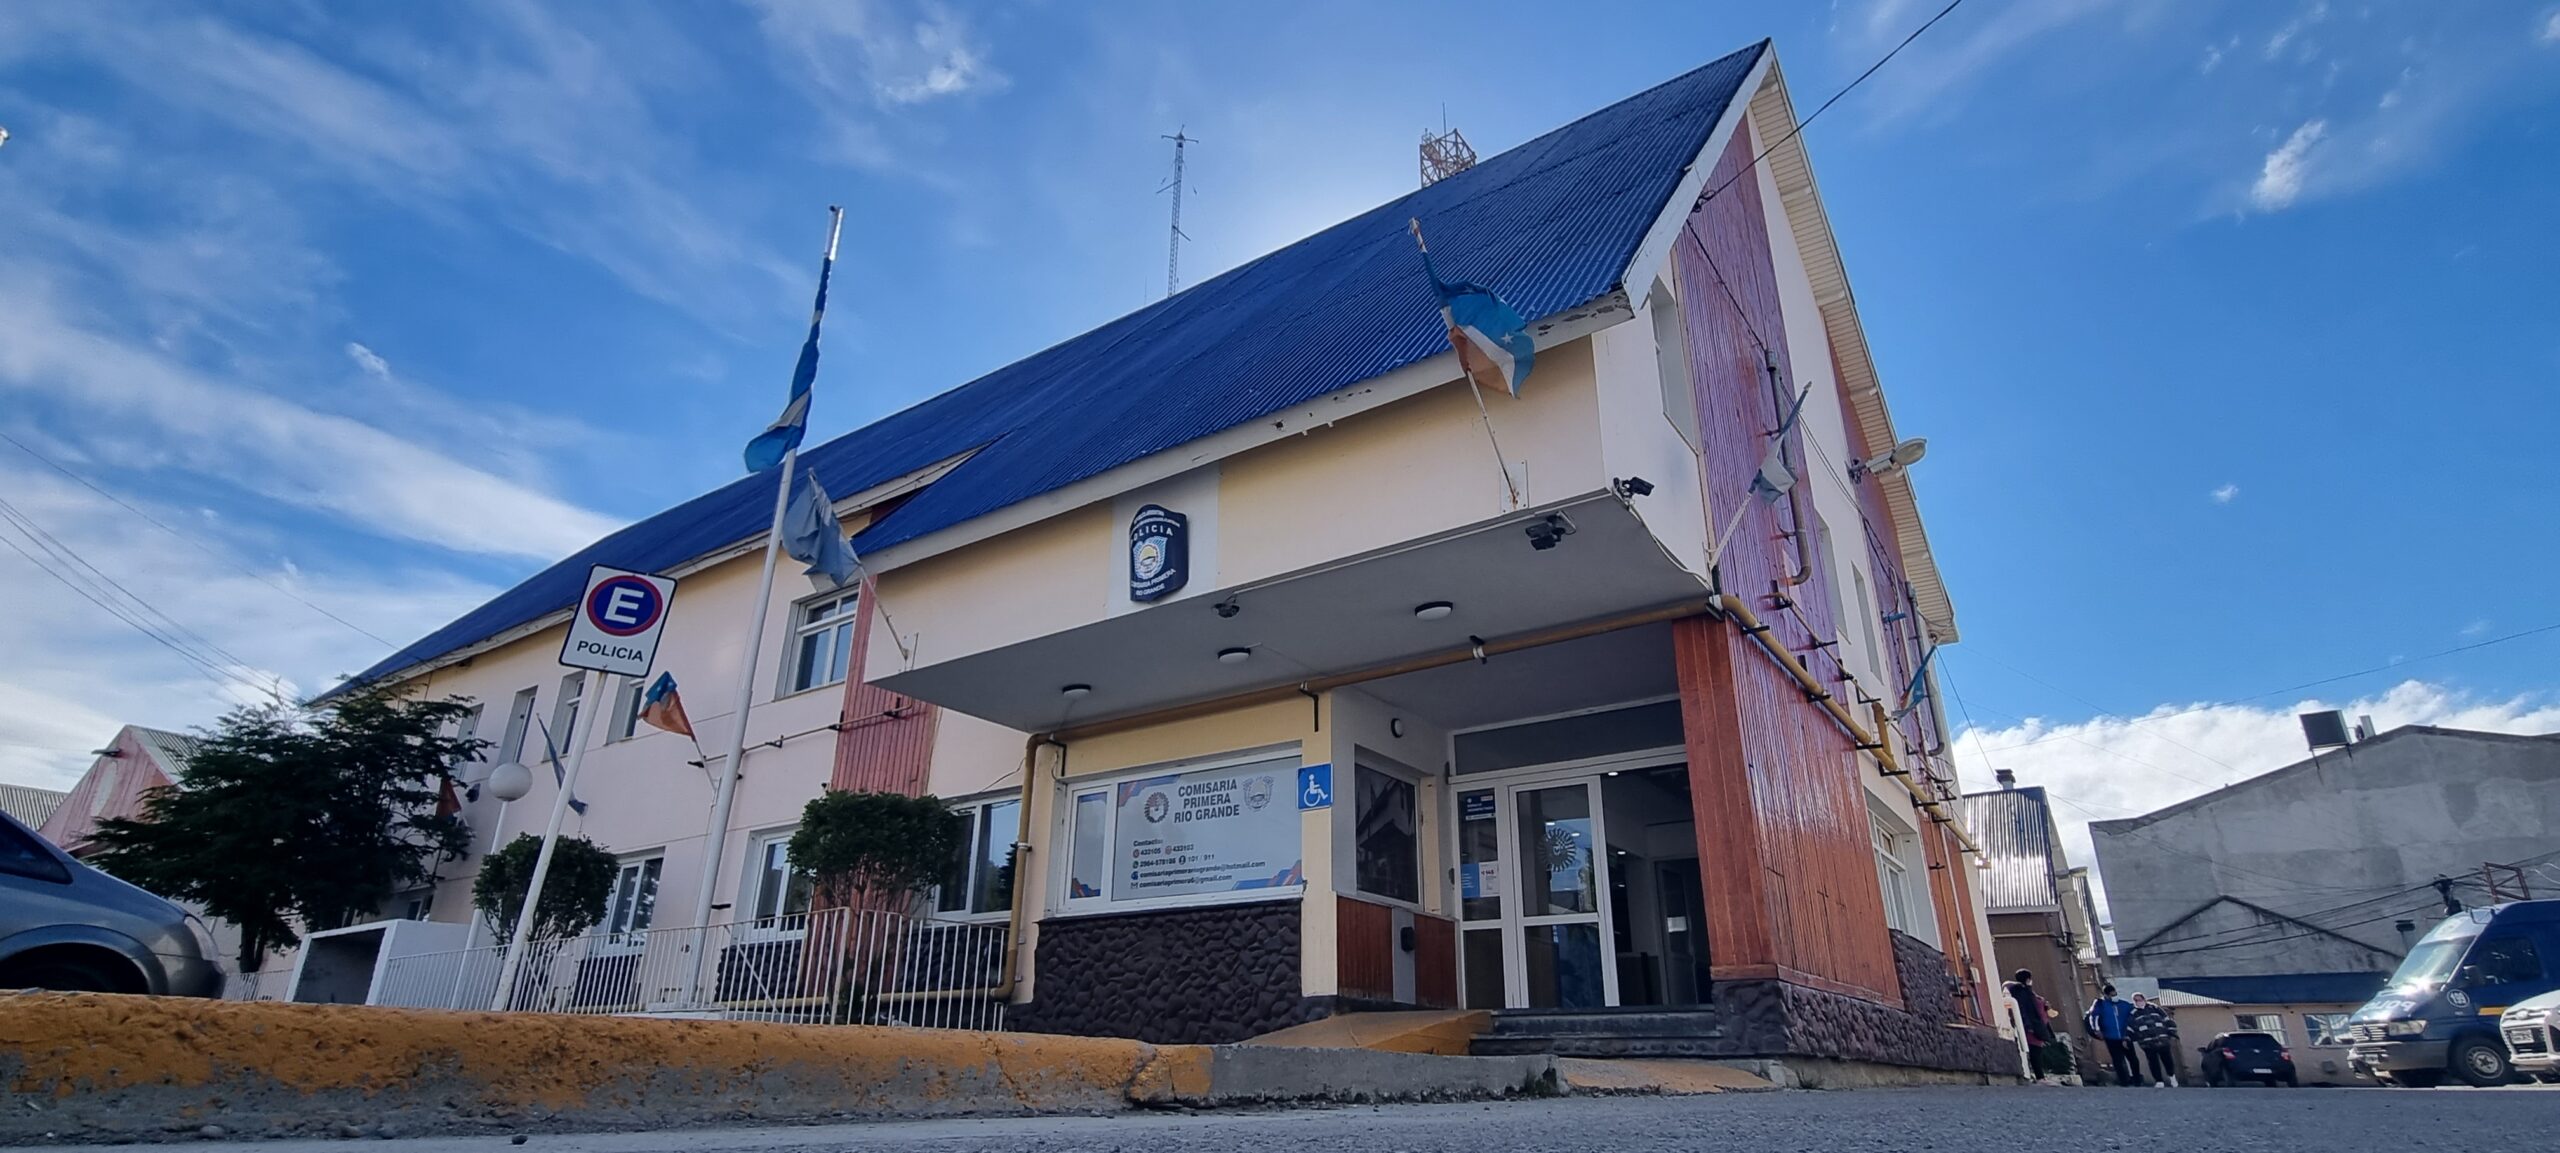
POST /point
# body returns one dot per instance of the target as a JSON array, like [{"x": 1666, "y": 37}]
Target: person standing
[
  {"x": 2152, "y": 1028},
  {"x": 2036, "y": 1018},
  {"x": 2107, "y": 1018}
]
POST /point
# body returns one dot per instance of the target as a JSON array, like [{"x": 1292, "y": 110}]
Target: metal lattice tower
[
  {"x": 1444, "y": 155},
  {"x": 1173, "y": 244}
]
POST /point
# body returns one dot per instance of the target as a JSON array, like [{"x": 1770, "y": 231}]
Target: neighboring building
[
  {"x": 2042, "y": 919},
  {"x": 2309, "y": 872},
  {"x": 2316, "y": 1030},
  {"x": 29, "y": 804},
  {"x": 1269, "y": 690},
  {"x": 137, "y": 761}
]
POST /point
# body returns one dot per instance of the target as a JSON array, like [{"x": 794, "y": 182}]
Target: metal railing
[{"x": 832, "y": 966}]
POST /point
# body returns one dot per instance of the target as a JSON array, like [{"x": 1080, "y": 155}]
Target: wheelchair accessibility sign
[
  {"x": 1315, "y": 787},
  {"x": 616, "y": 627}
]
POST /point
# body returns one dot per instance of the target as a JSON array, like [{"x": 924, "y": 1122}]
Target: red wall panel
[
  {"x": 1364, "y": 936},
  {"x": 886, "y": 742}
]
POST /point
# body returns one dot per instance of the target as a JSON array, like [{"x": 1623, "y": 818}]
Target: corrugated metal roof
[
  {"x": 28, "y": 803},
  {"x": 174, "y": 749},
  {"x": 2283, "y": 988},
  {"x": 1550, "y": 225},
  {"x": 2015, "y": 830}
]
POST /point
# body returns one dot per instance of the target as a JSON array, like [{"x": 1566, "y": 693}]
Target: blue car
[
  {"x": 70, "y": 928},
  {"x": 2438, "y": 1015}
]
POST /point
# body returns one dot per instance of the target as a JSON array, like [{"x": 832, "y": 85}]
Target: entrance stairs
[{"x": 1644, "y": 1032}]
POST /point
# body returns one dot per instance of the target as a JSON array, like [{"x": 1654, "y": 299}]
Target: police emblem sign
[
  {"x": 1159, "y": 553},
  {"x": 615, "y": 628}
]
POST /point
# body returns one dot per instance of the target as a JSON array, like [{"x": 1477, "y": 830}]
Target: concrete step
[{"x": 1605, "y": 1033}]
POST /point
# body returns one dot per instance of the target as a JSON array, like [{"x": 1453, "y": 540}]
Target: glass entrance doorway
[{"x": 1580, "y": 892}]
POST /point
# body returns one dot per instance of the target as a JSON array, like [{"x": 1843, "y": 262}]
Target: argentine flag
[
  {"x": 1493, "y": 343},
  {"x": 783, "y": 435}
]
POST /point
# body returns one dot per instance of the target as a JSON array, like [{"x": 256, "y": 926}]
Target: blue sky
[{"x": 2228, "y": 324}]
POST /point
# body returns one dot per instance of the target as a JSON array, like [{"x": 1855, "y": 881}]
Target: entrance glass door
[{"x": 1533, "y": 897}]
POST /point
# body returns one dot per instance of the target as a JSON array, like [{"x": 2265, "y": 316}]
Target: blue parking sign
[{"x": 1315, "y": 787}]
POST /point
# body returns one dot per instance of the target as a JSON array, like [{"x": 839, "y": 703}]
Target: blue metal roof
[
  {"x": 2283, "y": 988},
  {"x": 1550, "y": 225}
]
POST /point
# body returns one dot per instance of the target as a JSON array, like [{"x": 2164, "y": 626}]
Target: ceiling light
[
  {"x": 1433, "y": 610},
  {"x": 1076, "y": 692},
  {"x": 1233, "y": 656}
]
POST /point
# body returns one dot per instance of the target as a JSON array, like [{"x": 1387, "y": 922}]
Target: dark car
[
  {"x": 2231, "y": 1058},
  {"x": 66, "y": 926}
]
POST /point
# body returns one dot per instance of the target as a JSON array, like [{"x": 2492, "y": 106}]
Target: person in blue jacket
[{"x": 2108, "y": 1020}]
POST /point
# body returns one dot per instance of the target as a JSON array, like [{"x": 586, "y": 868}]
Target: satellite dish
[{"x": 510, "y": 781}]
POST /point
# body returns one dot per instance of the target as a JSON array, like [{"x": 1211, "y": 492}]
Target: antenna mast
[
  {"x": 1444, "y": 155},
  {"x": 1173, "y": 245}
]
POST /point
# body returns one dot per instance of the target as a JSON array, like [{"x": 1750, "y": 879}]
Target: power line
[
  {"x": 191, "y": 542},
  {"x": 1801, "y": 125},
  {"x": 64, "y": 564}
]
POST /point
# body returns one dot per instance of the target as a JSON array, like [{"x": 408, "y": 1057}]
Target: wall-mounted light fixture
[
  {"x": 1433, "y": 611},
  {"x": 1903, "y": 456},
  {"x": 1234, "y": 656},
  {"x": 1076, "y": 692}
]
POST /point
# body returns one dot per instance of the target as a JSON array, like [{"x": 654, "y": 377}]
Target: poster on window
[{"x": 1222, "y": 830}]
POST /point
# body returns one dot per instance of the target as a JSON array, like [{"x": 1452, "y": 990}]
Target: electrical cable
[
  {"x": 213, "y": 673},
  {"x": 1801, "y": 125}
]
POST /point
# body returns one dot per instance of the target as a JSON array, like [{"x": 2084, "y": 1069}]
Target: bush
[
  {"x": 883, "y": 842},
  {"x": 573, "y": 896}
]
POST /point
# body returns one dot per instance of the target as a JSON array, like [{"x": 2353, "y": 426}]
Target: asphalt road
[{"x": 2012, "y": 1120}]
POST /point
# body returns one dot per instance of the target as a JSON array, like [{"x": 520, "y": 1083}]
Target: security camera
[
  {"x": 1544, "y": 533},
  {"x": 1633, "y": 486},
  {"x": 1228, "y": 608}
]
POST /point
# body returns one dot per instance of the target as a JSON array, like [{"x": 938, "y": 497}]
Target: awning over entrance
[{"x": 1350, "y": 615}]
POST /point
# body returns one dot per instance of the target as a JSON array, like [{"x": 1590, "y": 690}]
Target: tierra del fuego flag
[
  {"x": 661, "y": 708},
  {"x": 1493, "y": 343}
]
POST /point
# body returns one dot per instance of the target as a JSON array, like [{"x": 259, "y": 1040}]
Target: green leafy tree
[
  {"x": 573, "y": 895},
  {"x": 886, "y": 843},
  {"x": 299, "y": 814}
]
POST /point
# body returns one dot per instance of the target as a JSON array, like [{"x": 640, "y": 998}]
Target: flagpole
[
  {"x": 716, "y": 838},
  {"x": 550, "y": 839}
]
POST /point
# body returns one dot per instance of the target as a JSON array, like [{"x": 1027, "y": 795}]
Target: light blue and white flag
[
  {"x": 783, "y": 435},
  {"x": 1918, "y": 690},
  {"x": 1775, "y": 478},
  {"x": 1493, "y": 343},
  {"x": 559, "y": 776},
  {"x": 811, "y": 533}
]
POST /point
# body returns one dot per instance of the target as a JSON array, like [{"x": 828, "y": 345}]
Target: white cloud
[
  {"x": 2550, "y": 33},
  {"x": 2109, "y": 767},
  {"x": 2281, "y": 177},
  {"x": 855, "y": 60},
  {"x": 2294, "y": 28},
  {"x": 2476, "y": 628},
  {"x": 2226, "y": 494},
  {"x": 2212, "y": 59},
  {"x": 369, "y": 360}
]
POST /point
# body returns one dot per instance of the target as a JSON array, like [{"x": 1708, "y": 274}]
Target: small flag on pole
[
  {"x": 1775, "y": 478},
  {"x": 811, "y": 533},
  {"x": 559, "y": 776},
  {"x": 783, "y": 435},
  {"x": 661, "y": 708},
  {"x": 1493, "y": 343}
]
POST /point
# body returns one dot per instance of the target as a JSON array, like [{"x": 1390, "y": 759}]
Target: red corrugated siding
[
  {"x": 75, "y": 820},
  {"x": 1782, "y": 817},
  {"x": 886, "y": 745}
]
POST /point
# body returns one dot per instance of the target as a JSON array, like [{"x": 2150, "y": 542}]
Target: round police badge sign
[
  {"x": 1159, "y": 552},
  {"x": 1158, "y": 806},
  {"x": 2457, "y": 998},
  {"x": 1257, "y": 792}
]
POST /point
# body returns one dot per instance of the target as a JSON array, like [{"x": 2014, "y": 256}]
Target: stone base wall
[
  {"x": 1773, "y": 1018},
  {"x": 1183, "y": 976}
]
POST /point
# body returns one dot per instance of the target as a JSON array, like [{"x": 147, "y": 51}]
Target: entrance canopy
[{"x": 1357, "y": 613}]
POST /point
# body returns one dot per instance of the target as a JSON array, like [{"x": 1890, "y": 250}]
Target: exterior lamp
[
  {"x": 1234, "y": 656},
  {"x": 1903, "y": 456},
  {"x": 1433, "y": 610},
  {"x": 1076, "y": 692},
  {"x": 509, "y": 782}
]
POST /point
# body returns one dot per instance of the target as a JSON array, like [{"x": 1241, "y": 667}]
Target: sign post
[{"x": 614, "y": 632}]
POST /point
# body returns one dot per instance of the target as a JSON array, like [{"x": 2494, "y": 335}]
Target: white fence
[{"x": 838, "y": 966}]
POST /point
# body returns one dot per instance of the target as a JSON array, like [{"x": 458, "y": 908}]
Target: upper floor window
[
  {"x": 822, "y": 649},
  {"x": 519, "y": 721},
  {"x": 626, "y": 710},
  {"x": 979, "y": 880},
  {"x": 564, "y": 711},
  {"x": 1671, "y": 363}
]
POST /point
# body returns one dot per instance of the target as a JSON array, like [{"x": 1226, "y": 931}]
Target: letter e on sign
[{"x": 616, "y": 626}]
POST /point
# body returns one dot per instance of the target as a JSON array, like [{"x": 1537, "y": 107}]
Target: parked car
[
  {"x": 66, "y": 926},
  {"x": 2231, "y": 1058},
  {"x": 2439, "y": 1012},
  {"x": 2532, "y": 1031}
]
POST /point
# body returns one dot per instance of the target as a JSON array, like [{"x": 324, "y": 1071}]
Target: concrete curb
[{"x": 108, "y": 1068}]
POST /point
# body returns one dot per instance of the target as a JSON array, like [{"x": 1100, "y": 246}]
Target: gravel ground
[{"x": 2016, "y": 1120}]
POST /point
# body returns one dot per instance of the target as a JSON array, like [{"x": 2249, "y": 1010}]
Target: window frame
[
  {"x": 1062, "y": 831},
  {"x": 564, "y": 710},
  {"x": 756, "y": 924},
  {"x": 2332, "y": 1026},
  {"x": 974, "y": 812},
  {"x": 1671, "y": 361},
  {"x": 2271, "y": 1024},
  {"x": 614, "y": 930},
  {"x": 1413, "y": 792},
  {"x": 519, "y": 728},
  {"x": 1893, "y": 876},
  {"x": 2531, "y": 952},
  {"x": 805, "y": 622},
  {"x": 627, "y": 695}
]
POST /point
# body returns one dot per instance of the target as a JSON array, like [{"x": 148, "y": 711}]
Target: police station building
[{"x": 1280, "y": 674}]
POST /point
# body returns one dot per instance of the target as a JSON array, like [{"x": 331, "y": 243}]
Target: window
[
  {"x": 1671, "y": 363},
  {"x": 564, "y": 711},
  {"x": 22, "y": 855},
  {"x": 780, "y": 890},
  {"x": 2271, "y": 1024},
  {"x": 635, "y": 896},
  {"x": 2327, "y": 1030},
  {"x": 822, "y": 654},
  {"x": 1867, "y": 618},
  {"x": 519, "y": 721},
  {"x": 979, "y": 880},
  {"x": 1226, "y": 830},
  {"x": 1388, "y": 861},
  {"x": 467, "y": 725},
  {"x": 1892, "y": 878},
  {"x": 626, "y": 710},
  {"x": 414, "y": 905},
  {"x": 2503, "y": 961}
]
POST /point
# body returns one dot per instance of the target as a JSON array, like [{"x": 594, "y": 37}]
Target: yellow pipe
[{"x": 1741, "y": 614}]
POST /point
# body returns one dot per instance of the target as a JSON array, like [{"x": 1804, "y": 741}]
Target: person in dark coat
[
  {"x": 2156, "y": 1032},
  {"x": 2037, "y": 1019},
  {"x": 2107, "y": 1019}
]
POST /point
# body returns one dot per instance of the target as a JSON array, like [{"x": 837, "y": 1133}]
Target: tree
[
  {"x": 884, "y": 842},
  {"x": 302, "y": 814},
  {"x": 573, "y": 895}
]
